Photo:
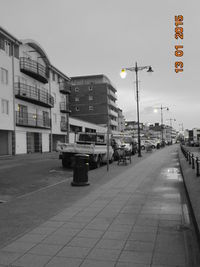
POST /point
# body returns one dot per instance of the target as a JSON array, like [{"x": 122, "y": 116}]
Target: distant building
[
  {"x": 121, "y": 121},
  {"x": 93, "y": 99}
]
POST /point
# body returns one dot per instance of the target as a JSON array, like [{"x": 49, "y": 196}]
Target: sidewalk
[{"x": 132, "y": 220}]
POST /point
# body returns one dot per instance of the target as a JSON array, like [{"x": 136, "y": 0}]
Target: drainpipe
[
  {"x": 51, "y": 134},
  {"x": 14, "y": 116}
]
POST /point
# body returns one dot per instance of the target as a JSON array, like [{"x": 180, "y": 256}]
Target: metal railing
[
  {"x": 33, "y": 94},
  {"x": 32, "y": 120},
  {"x": 192, "y": 160},
  {"x": 34, "y": 69},
  {"x": 64, "y": 107}
]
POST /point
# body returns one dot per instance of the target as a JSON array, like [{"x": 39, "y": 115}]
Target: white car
[{"x": 147, "y": 143}]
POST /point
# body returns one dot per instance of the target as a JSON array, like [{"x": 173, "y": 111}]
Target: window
[
  {"x": 8, "y": 48},
  {"x": 76, "y": 89},
  {"x": 76, "y": 99},
  {"x": 90, "y": 88},
  {"x": 4, "y": 76},
  {"x": 63, "y": 119},
  {"x": 77, "y": 108},
  {"x": 90, "y": 97},
  {"x": 45, "y": 118},
  {"x": 4, "y": 106},
  {"x": 91, "y": 108}
]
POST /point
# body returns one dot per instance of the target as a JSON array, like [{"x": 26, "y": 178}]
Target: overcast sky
[{"x": 85, "y": 37}]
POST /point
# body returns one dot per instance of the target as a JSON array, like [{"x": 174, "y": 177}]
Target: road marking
[{"x": 43, "y": 188}]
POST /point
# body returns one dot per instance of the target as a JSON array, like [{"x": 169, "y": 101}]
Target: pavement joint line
[{"x": 43, "y": 188}]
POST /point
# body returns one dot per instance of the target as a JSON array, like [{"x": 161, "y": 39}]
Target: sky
[{"x": 86, "y": 37}]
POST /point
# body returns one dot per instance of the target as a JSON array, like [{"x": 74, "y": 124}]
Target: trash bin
[{"x": 80, "y": 173}]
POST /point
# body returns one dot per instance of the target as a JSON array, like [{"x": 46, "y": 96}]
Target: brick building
[{"x": 93, "y": 99}]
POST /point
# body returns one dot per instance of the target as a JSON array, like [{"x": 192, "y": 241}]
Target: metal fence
[{"x": 192, "y": 160}]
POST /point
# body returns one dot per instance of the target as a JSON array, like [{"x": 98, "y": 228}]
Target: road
[
  {"x": 24, "y": 174},
  {"x": 155, "y": 173}
]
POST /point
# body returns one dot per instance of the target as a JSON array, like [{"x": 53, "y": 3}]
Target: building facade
[
  {"x": 121, "y": 121},
  {"x": 93, "y": 99},
  {"x": 9, "y": 57},
  {"x": 34, "y": 98}
]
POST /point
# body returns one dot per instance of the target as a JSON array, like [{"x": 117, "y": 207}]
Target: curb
[{"x": 190, "y": 202}]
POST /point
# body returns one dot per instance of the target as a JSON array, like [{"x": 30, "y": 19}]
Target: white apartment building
[
  {"x": 33, "y": 98},
  {"x": 9, "y": 57}
]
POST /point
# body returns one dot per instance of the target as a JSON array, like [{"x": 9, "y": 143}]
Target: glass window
[
  {"x": 76, "y": 89},
  {"x": 4, "y": 76},
  {"x": 8, "y": 48},
  {"x": 91, "y": 108},
  {"x": 4, "y": 106},
  {"x": 90, "y": 97},
  {"x": 76, "y": 99},
  {"x": 90, "y": 88},
  {"x": 63, "y": 119},
  {"x": 77, "y": 108}
]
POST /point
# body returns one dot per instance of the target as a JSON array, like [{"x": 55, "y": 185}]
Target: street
[
  {"x": 24, "y": 174},
  {"x": 147, "y": 193}
]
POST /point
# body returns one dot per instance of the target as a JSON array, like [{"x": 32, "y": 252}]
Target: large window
[
  {"x": 45, "y": 118},
  {"x": 4, "y": 76},
  {"x": 91, "y": 108},
  {"x": 8, "y": 48},
  {"x": 5, "y": 106}
]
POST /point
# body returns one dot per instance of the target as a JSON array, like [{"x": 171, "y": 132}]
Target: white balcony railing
[{"x": 112, "y": 103}]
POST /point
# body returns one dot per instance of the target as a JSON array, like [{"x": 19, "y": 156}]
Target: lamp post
[
  {"x": 123, "y": 75},
  {"x": 161, "y": 112}
]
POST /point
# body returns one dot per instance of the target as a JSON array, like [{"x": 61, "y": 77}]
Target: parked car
[{"x": 147, "y": 143}]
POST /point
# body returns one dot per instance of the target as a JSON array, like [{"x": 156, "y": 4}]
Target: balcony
[
  {"x": 65, "y": 87},
  {"x": 113, "y": 123},
  {"x": 112, "y": 94},
  {"x": 34, "y": 69},
  {"x": 113, "y": 113},
  {"x": 63, "y": 126},
  {"x": 112, "y": 103},
  {"x": 32, "y": 120},
  {"x": 33, "y": 95},
  {"x": 64, "y": 108}
]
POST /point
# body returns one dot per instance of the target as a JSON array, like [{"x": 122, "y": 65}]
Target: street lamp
[
  {"x": 161, "y": 112},
  {"x": 123, "y": 76}
]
